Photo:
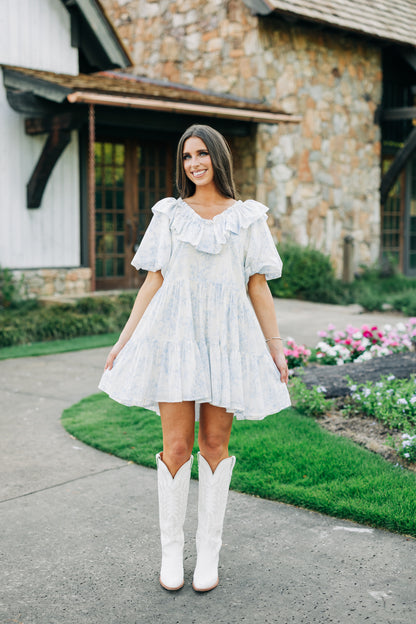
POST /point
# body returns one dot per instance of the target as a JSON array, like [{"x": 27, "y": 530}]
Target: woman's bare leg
[
  {"x": 214, "y": 433},
  {"x": 178, "y": 426}
]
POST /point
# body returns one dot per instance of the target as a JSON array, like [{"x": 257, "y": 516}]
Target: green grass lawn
[
  {"x": 286, "y": 457},
  {"x": 58, "y": 346}
]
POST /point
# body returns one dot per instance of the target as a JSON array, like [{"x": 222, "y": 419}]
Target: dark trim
[
  {"x": 95, "y": 36},
  {"x": 398, "y": 164},
  {"x": 55, "y": 144},
  {"x": 18, "y": 81},
  {"x": 83, "y": 196},
  {"x": 258, "y": 7},
  {"x": 400, "y": 113},
  {"x": 27, "y": 103}
]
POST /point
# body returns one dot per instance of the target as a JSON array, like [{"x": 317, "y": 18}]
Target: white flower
[
  {"x": 401, "y": 327},
  {"x": 357, "y": 335},
  {"x": 379, "y": 384},
  {"x": 353, "y": 388},
  {"x": 366, "y": 392},
  {"x": 413, "y": 400},
  {"x": 407, "y": 455},
  {"x": 320, "y": 389},
  {"x": 389, "y": 391},
  {"x": 401, "y": 402},
  {"x": 364, "y": 357},
  {"x": 391, "y": 377},
  {"x": 387, "y": 327}
]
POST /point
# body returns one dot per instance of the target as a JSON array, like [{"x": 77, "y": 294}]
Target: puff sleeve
[
  {"x": 261, "y": 255},
  {"x": 154, "y": 250}
]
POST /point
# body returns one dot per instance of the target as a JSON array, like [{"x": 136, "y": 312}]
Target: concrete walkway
[{"x": 79, "y": 541}]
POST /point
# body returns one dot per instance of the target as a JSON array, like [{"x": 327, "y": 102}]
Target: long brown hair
[{"x": 221, "y": 159}]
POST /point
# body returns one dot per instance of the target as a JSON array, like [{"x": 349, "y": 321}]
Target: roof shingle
[{"x": 393, "y": 20}]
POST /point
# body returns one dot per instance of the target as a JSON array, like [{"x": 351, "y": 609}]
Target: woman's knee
[
  {"x": 178, "y": 449},
  {"x": 213, "y": 444}
]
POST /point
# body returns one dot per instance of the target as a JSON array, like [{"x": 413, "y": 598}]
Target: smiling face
[{"x": 197, "y": 162}]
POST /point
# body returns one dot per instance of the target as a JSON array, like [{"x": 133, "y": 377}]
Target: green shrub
[
  {"x": 405, "y": 302},
  {"x": 9, "y": 289},
  {"x": 309, "y": 401},
  {"x": 307, "y": 274},
  {"x": 88, "y": 316},
  {"x": 374, "y": 287}
]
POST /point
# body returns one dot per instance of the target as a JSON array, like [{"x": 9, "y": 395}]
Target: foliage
[
  {"x": 375, "y": 287},
  {"x": 309, "y": 401},
  {"x": 307, "y": 274},
  {"x": 391, "y": 401},
  {"x": 88, "y": 316},
  {"x": 407, "y": 449},
  {"x": 285, "y": 457},
  {"x": 10, "y": 289}
]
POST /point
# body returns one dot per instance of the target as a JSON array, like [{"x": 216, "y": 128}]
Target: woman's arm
[
  {"x": 262, "y": 300},
  {"x": 151, "y": 285}
]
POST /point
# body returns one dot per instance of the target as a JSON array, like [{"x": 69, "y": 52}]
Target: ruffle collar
[{"x": 209, "y": 235}]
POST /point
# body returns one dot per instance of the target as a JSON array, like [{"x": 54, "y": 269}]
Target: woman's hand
[
  {"x": 279, "y": 359},
  {"x": 112, "y": 356}
]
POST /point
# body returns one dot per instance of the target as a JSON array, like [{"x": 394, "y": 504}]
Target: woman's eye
[
  {"x": 186, "y": 156},
  {"x": 203, "y": 153}
]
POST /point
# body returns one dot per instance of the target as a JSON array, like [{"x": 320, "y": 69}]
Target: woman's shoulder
[
  {"x": 255, "y": 206},
  {"x": 165, "y": 206},
  {"x": 251, "y": 211}
]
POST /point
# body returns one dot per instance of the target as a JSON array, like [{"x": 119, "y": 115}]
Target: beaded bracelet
[{"x": 274, "y": 338}]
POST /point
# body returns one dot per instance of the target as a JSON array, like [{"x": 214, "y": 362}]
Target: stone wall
[
  {"x": 48, "y": 282},
  {"x": 321, "y": 177}
]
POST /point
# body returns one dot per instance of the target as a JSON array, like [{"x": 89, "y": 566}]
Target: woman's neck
[{"x": 210, "y": 196}]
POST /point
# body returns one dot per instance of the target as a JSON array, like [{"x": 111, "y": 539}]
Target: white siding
[
  {"x": 37, "y": 34},
  {"x": 48, "y": 236}
]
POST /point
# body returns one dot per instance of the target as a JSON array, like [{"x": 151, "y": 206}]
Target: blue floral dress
[{"x": 199, "y": 338}]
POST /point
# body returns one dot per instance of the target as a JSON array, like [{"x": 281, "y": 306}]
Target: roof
[
  {"x": 129, "y": 90},
  {"x": 93, "y": 32},
  {"x": 391, "y": 20}
]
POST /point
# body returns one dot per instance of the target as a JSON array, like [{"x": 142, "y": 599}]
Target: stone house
[{"x": 317, "y": 104}]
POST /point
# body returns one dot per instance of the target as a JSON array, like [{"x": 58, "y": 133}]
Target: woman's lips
[{"x": 198, "y": 174}]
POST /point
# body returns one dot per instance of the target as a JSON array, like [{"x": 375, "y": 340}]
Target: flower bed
[
  {"x": 390, "y": 401},
  {"x": 337, "y": 347}
]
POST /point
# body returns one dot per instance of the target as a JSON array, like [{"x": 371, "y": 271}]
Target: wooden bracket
[
  {"x": 55, "y": 144},
  {"x": 398, "y": 164}
]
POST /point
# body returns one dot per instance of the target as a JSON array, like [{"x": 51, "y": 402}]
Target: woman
[{"x": 194, "y": 347}]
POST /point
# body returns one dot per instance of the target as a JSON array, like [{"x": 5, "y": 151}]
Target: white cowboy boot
[
  {"x": 173, "y": 499},
  {"x": 212, "y": 501}
]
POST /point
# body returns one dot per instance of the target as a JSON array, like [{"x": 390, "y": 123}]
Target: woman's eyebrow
[{"x": 204, "y": 149}]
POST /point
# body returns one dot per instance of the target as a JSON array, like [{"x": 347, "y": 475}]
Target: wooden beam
[
  {"x": 398, "y": 164},
  {"x": 395, "y": 114},
  {"x": 55, "y": 144},
  {"x": 63, "y": 121}
]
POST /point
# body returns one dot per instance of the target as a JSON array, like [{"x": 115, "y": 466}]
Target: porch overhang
[
  {"x": 55, "y": 104},
  {"x": 171, "y": 106}
]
